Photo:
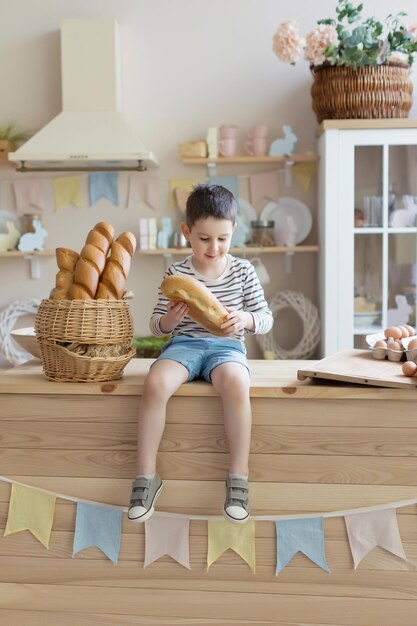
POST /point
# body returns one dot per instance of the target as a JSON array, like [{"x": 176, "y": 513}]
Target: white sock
[
  {"x": 241, "y": 476},
  {"x": 147, "y": 476}
]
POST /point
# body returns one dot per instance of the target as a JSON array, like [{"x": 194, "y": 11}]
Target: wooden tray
[{"x": 358, "y": 366}]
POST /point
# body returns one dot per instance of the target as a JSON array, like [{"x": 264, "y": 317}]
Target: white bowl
[{"x": 26, "y": 339}]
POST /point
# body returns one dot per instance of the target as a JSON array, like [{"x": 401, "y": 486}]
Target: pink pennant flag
[
  {"x": 264, "y": 185},
  {"x": 28, "y": 194},
  {"x": 375, "y": 528},
  {"x": 143, "y": 189},
  {"x": 164, "y": 535}
]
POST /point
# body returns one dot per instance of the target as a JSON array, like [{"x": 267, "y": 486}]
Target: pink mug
[
  {"x": 227, "y": 147},
  {"x": 259, "y": 130},
  {"x": 228, "y": 132},
  {"x": 257, "y": 146}
]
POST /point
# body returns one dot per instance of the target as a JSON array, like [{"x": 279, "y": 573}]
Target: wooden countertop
[{"x": 270, "y": 379}]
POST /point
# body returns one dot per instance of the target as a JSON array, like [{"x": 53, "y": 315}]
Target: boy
[{"x": 194, "y": 352}]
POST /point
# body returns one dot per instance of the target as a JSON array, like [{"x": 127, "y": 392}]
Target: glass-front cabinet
[{"x": 368, "y": 229}]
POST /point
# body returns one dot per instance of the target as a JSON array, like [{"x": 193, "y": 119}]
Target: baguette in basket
[{"x": 205, "y": 309}]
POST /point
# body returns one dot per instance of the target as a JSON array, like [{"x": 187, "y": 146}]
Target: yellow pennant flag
[
  {"x": 67, "y": 191},
  {"x": 303, "y": 173},
  {"x": 33, "y": 510},
  {"x": 225, "y": 535},
  {"x": 180, "y": 183}
]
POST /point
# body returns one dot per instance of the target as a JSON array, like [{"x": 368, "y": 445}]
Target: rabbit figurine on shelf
[
  {"x": 280, "y": 147},
  {"x": 402, "y": 313},
  {"x": 29, "y": 242},
  {"x": 9, "y": 240}
]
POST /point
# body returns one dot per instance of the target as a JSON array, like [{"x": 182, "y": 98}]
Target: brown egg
[
  {"x": 412, "y": 345},
  {"x": 409, "y": 368},
  {"x": 410, "y": 329},
  {"x": 404, "y": 331},
  {"x": 380, "y": 344},
  {"x": 395, "y": 345},
  {"x": 393, "y": 331}
]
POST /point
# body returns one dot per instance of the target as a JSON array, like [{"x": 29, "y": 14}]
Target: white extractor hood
[{"x": 91, "y": 134}]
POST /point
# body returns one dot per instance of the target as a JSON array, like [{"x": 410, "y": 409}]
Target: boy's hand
[
  {"x": 174, "y": 315},
  {"x": 237, "y": 321}
]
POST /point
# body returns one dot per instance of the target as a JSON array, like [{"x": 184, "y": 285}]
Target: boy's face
[{"x": 210, "y": 239}]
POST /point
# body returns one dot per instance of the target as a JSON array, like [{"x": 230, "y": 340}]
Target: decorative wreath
[
  {"x": 8, "y": 319},
  {"x": 311, "y": 327}
]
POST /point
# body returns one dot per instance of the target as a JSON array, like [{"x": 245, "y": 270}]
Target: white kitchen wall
[{"x": 186, "y": 65}]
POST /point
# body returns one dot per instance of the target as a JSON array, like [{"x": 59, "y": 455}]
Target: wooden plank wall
[{"x": 307, "y": 455}]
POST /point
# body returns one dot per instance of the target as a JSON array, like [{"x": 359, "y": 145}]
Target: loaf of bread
[
  {"x": 205, "y": 309},
  {"x": 91, "y": 262},
  {"x": 66, "y": 260},
  {"x": 113, "y": 279}
]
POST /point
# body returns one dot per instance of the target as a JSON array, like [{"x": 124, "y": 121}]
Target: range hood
[{"x": 91, "y": 133}]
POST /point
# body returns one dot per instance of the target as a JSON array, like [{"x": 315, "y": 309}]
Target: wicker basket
[
  {"x": 59, "y": 323},
  {"x": 383, "y": 91}
]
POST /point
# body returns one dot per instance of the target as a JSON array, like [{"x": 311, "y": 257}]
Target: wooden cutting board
[{"x": 358, "y": 366}]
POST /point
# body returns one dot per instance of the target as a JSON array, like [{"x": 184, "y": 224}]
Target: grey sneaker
[
  {"x": 145, "y": 492},
  {"x": 236, "y": 506}
]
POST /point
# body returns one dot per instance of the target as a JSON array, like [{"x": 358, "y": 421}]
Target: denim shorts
[{"x": 201, "y": 355}]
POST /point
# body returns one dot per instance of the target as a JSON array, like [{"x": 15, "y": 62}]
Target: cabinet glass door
[{"x": 385, "y": 238}]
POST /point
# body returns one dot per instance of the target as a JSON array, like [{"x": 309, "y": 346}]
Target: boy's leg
[
  {"x": 231, "y": 381},
  {"x": 163, "y": 380}
]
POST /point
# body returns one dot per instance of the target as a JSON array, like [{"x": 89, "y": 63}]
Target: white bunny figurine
[
  {"x": 33, "y": 241},
  {"x": 402, "y": 313},
  {"x": 280, "y": 147},
  {"x": 9, "y": 240}
]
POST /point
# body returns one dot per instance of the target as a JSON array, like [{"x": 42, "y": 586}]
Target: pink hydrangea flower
[
  {"x": 287, "y": 43},
  {"x": 412, "y": 31},
  {"x": 317, "y": 42}
]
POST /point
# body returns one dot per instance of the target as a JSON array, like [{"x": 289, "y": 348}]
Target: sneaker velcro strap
[
  {"x": 237, "y": 483},
  {"x": 234, "y": 494},
  {"x": 140, "y": 488}
]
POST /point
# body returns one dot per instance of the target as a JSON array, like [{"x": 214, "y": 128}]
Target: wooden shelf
[
  {"x": 241, "y": 250},
  {"x": 17, "y": 253},
  {"x": 289, "y": 158}
]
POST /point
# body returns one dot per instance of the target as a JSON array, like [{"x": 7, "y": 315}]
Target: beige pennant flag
[
  {"x": 33, "y": 510},
  {"x": 67, "y": 191},
  {"x": 225, "y": 535},
  {"x": 303, "y": 173},
  {"x": 164, "y": 535},
  {"x": 180, "y": 183}
]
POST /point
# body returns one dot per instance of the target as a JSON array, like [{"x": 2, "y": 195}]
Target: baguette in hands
[
  {"x": 205, "y": 308},
  {"x": 91, "y": 262},
  {"x": 113, "y": 279}
]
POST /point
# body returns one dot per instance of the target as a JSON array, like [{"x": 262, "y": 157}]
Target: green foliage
[{"x": 10, "y": 132}]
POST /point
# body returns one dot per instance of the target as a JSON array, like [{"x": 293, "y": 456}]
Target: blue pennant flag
[
  {"x": 230, "y": 182},
  {"x": 99, "y": 526},
  {"x": 104, "y": 185},
  {"x": 300, "y": 535}
]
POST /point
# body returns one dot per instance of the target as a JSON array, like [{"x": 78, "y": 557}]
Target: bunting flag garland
[
  {"x": 224, "y": 535},
  {"x": 33, "y": 510},
  {"x": 304, "y": 535},
  {"x": 180, "y": 183},
  {"x": 166, "y": 533},
  {"x": 167, "y": 536},
  {"x": 67, "y": 190},
  {"x": 375, "y": 528},
  {"x": 230, "y": 182},
  {"x": 99, "y": 526},
  {"x": 264, "y": 185},
  {"x": 144, "y": 189},
  {"x": 303, "y": 174},
  {"x": 104, "y": 185},
  {"x": 29, "y": 194}
]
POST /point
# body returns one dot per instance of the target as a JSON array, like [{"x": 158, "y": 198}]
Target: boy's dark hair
[{"x": 210, "y": 201}]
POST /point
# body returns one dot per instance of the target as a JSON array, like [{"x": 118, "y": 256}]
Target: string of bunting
[
  {"x": 99, "y": 525},
  {"x": 67, "y": 190}
]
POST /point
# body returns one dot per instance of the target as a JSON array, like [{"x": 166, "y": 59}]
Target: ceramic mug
[
  {"x": 228, "y": 132},
  {"x": 259, "y": 130},
  {"x": 227, "y": 147},
  {"x": 257, "y": 146}
]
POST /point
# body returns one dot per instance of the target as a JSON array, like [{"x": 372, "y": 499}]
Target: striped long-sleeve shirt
[{"x": 238, "y": 288}]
